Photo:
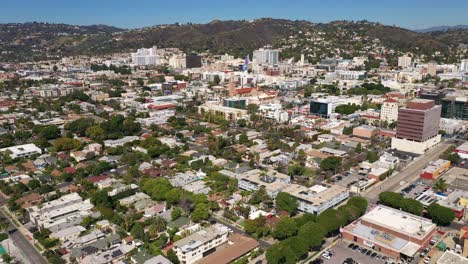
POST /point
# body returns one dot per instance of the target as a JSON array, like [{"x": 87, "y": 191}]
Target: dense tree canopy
[
  {"x": 79, "y": 126},
  {"x": 330, "y": 163},
  {"x": 314, "y": 233},
  {"x": 286, "y": 227},
  {"x": 441, "y": 215},
  {"x": 397, "y": 201},
  {"x": 286, "y": 202},
  {"x": 66, "y": 144}
]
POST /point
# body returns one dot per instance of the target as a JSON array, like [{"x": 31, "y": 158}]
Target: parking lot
[
  {"x": 347, "y": 178},
  {"x": 342, "y": 252},
  {"x": 413, "y": 190}
]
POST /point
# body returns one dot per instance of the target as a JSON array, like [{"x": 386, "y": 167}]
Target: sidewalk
[{"x": 23, "y": 230}]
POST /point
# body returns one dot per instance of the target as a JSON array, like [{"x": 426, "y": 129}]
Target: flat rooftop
[
  {"x": 450, "y": 257},
  {"x": 317, "y": 194},
  {"x": 237, "y": 246},
  {"x": 200, "y": 237},
  {"x": 399, "y": 221}
]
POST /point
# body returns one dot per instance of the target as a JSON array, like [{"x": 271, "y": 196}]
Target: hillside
[
  {"x": 441, "y": 28},
  {"x": 21, "y": 42}
]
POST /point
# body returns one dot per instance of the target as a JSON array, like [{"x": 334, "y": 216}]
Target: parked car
[{"x": 316, "y": 261}]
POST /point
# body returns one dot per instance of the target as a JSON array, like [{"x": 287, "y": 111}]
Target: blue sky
[{"x": 412, "y": 14}]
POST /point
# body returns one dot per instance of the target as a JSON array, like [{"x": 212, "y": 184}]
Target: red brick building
[{"x": 392, "y": 232}]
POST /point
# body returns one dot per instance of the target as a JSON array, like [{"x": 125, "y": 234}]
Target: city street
[
  {"x": 408, "y": 175},
  {"x": 22, "y": 242}
]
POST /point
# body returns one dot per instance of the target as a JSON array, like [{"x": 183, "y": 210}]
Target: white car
[{"x": 326, "y": 255}]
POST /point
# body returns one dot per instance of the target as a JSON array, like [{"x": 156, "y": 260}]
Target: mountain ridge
[
  {"x": 23, "y": 41},
  {"x": 440, "y": 28}
]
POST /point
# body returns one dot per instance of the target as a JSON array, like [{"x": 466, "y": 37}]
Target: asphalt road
[
  {"x": 29, "y": 251},
  {"x": 408, "y": 175}
]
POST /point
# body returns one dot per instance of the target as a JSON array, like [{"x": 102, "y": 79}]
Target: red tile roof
[
  {"x": 391, "y": 100},
  {"x": 161, "y": 107},
  {"x": 70, "y": 170},
  {"x": 243, "y": 90},
  {"x": 99, "y": 178}
]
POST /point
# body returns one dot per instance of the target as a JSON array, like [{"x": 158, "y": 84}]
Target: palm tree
[
  {"x": 440, "y": 185},
  {"x": 128, "y": 222},
  {"x": 160, "y": 223},
  {"x": 153, "y": 232}
]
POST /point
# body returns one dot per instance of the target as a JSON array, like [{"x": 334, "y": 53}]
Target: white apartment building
[
  {"x": 69, "y": 233},
  {"x": 124, "y": 188},
  {"x": 146, "y": 57},
  {"x": 86, "y": 239},
  {"x": 273, "y": 181},
  {"x": 451, "y": 126},
  {"x": 318, "y": 198},
  {"x": 266, "y": 56},
  {"x": 156, "y": 118},
  {"x": 389, "y": 111},
  {"x": 55, "y": 91},
  {"x": 274, "y": 111},
  {"x": 178, "y": 61},
  {"x": 226, "y": 57},
  {"x": 66, "y": 211},
  {"x": 312, "y": 200},
  {"x": 464, "y": 65},
  {"x": 227, "y": 113},
  {"x": 119, "y": 142},
  {"x": 22, "y": 151},
  {"x": 350, "y": 75},
  {"x": 404, "y": 61},
  {"x": 193, "y": 247},
  {"x": 359, "y": 61}
]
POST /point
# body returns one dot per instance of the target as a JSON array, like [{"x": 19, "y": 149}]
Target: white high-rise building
[
  {"x": 266, "y": 56},
  {"x": 178, "y": 62},
  {"x": 146, "y": 57},
  {"x": 432, "y": 68},
  {"x": 389, "y": 110},
  {"x": 464, "y": 65},
  {"x": 404, "y": 61}
]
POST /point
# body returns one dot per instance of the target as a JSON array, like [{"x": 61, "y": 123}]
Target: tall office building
[
  {"x": 455, "y": 107},
  {"x": 464, "y": 65},
  {"x": 193, "y": 61},
  {"x": 417, "y": 126},
  {"x": 146, "y": 57},
  {"x": 325, "y": 107},
  {"x": 432, "y": 68},
  {"x": 177, "y": 61},
  {"x": 266, "y": 56},
  {"x": 404, "y": 61},
  {"x": 389, "y": 110}
]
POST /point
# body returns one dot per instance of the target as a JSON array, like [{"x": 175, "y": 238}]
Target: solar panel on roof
[{"x": 116, "y": 253}]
